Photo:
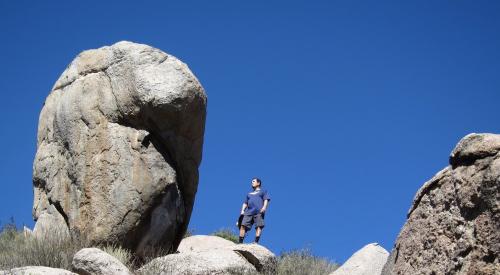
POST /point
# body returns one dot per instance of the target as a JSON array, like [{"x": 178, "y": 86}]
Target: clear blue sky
[{"x": 343, "y": 108}]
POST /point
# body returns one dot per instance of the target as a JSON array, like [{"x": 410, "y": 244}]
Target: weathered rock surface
[
  {"x": 260, "y": 257},
  {"x": 369, "y": 260},
  {"x": 215, "y": 261},
  {"x": 36, "y": 270},
  {"x": 50, "y": 224},
  {"x": 453, "y": 226},
  {"x": 119, "y": 144},
  {"x": 93, "y": 261},
  {"x": 202, "y": 242},
  {"x": 224, "y": 259}
]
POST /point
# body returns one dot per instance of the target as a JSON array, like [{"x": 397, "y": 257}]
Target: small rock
[
  {"x": 369, "y": 260},
  {"x": 93, "y": 261}
]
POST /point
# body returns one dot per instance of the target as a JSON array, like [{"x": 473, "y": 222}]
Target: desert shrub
[
  {"x": 18, "y": 250},
  {"x": 296, "y": 262},
  {"x": 303, "y": 262},
  {"x": 121, "y": 254},
  {"x": 227, "y": 234}
]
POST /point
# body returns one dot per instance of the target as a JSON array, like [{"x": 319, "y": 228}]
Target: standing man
[{"x": 253, "y": 209}]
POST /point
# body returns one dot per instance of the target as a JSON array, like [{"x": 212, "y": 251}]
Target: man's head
[{"x": 256, "y": 182}]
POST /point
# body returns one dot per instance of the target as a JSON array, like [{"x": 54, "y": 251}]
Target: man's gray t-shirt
[{"x": 255, "y": 201}]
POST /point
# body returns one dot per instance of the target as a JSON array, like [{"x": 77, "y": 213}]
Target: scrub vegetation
[{"x": 19, "y": 248}]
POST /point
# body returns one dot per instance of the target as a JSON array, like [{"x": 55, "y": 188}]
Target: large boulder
[
  {"x": 202, "y": 242},
  {"x": 225, "y": 259},
  {"x": 36, "y": 270},
  {"x": 119, "y": 144},
  {"x": 215, "y": 261},
  {"x": 453, "y": 226},
  {"x": 369, "y": 260},
  {"x": 93, "y": 261}
]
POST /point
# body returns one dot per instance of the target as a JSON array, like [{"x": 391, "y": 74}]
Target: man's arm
[
  {"x": 266, "y": 203},
  {"x": 243, "y": 207}
]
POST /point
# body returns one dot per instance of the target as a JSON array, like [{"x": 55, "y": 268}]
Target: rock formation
[
  {"x": 233, "y": 259},
  {"x": 369, "y": 260},
  {"x": 453, "y": 226},
  {"x": 119, "y": 144},
  {"x": 215, "y": 261}
]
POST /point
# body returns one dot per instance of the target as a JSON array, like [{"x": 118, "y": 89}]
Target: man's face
[{"x": 255, "y": 183}]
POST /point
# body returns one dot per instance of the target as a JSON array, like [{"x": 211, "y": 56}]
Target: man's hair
[{"x": 258, "y": 180}]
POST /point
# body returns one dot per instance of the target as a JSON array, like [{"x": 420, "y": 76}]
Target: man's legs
[
  {"x": 243, "y": 230},
  {"x": 258, "y": 231},
  {"x": 259, "y": 225}
]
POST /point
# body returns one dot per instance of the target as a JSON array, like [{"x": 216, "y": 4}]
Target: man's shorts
[{"x": 249, "y": 220}]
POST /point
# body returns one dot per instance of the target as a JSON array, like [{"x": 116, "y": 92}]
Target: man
[{"x": 253, "y": 210}]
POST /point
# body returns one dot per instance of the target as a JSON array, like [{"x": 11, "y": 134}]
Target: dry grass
[
  {"x": 303, "y": 262},
  {"x": 121, "y": 254},
  {"x": 297, "y": 262},
  {"x": 227, "y": 233},
  {"x": 17, "y": 250}
]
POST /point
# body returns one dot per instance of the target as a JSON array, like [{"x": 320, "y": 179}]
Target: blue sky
[{"x": 343, "y": 108}]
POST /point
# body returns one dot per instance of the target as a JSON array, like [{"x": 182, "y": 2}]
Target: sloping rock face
[
  {"x": 119, "y": 144},
  {"x": 453, "y": 226},
  {"x": 260, "y": 257},
  {"x": 233, "y": 259},
  {"x": 202, "y": 242},
  {"x": 369, "y": 260},
  {"x": 93, "y": 261},
  {"x": 50, "y": 223}
]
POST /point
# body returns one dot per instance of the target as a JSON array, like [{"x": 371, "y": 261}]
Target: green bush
[
  {"x": 227, "y": 234},
  {"x": 303, "y": 262}
]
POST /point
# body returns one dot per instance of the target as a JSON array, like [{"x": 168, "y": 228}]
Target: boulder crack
[{"x": 249, "y": 257}]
